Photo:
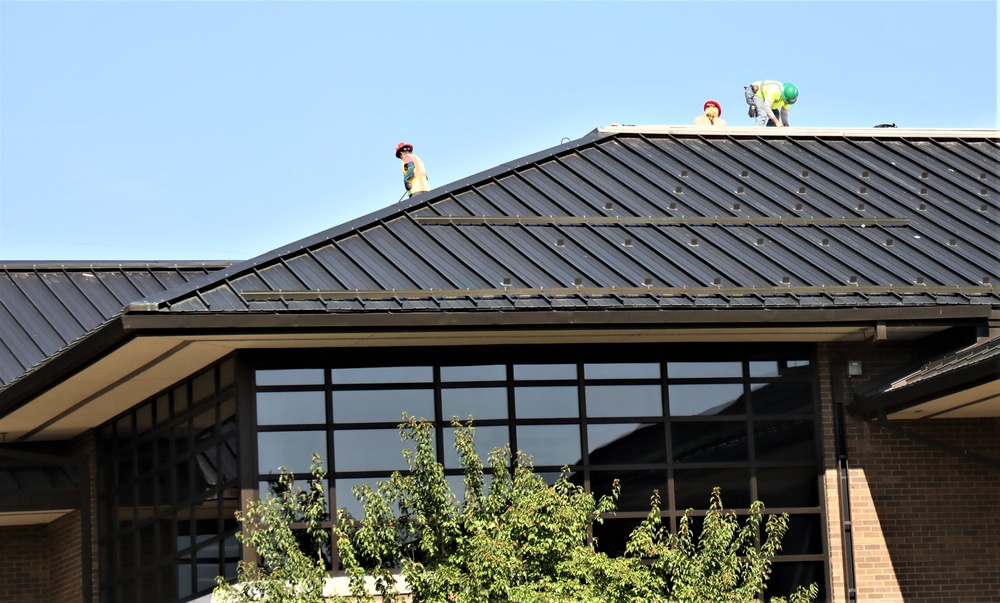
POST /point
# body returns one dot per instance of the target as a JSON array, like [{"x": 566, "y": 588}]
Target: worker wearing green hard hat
[{"x": 769, "y": 99}]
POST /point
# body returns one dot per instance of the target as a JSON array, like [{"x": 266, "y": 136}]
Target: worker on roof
[
  {"x": 767, "y": 97},
  {"x": 414, "y": 174},
  {"x": 712, "y": 115}
]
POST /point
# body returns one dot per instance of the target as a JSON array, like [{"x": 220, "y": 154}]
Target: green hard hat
[{"x": 789, "y": 93}]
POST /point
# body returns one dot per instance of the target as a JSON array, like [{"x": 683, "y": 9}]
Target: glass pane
[
  {"x": 290, "y": 408},
  {"x": 706, "y": 399},
  {"x": 181, "y": 401},
  {"x": 624, "y": 401},
  {"x": 636, "y": 487},
  {"x": 626, "y": 443},
  {"x": 203, "y": 386},
  {"x": 382, "y": 405},
  {"x": 185, "y": 573},
  {"x": 492, "y": 372},
  {"x": 612, "y": 535},
  {"x": 804, "y": 536},
  {"x": 143, "y": 419},
  {"x": 546, "y": 402},
  {"x": 693, "y": 487},
  {"x": 550, "y": 444},
  {"x": 369, "y": 450},
  {"x": 227, "y": 374},
  {"x": 486, "y": 439},
  {"x": 629, "y": 370},
  {"x": 703, "y": 370},
  {"x": 388, "y": 374},
  {"x": 291, "y": 449},
  {"x": 709, "y": 441},
  {"x": 544, "y": 371},
  {"x": 290, "y": 377},
  {"x": 479, "y": 402},
  {"x": 345, "y": 494},
  {"x": 786, "y": 577},
  {"x": 227, "y": 415},
  {"x": 798, "y": 369},
  {"x": 457, "y": 485},
  {"x": 782, "y": 398},
  {"x": 788, "y": 486},
  {"x": 784, "y": 441}
]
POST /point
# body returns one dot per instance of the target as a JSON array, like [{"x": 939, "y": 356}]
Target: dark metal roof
[
  {"x": 46, "y": 306},
  {"x": 659, "y": 218},
  {"x": 634, "y": 218}
]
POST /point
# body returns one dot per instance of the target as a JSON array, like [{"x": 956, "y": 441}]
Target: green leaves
[
  {"x": 517, "y": 540},
  {"x": 286, "y": 530}
]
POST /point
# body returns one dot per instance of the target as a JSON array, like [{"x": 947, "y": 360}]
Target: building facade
[{"x": 809, "y": 319}]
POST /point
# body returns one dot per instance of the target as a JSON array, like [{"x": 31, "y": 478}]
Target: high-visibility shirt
[
  {"x": 418, "y": 182},
  {"x": 770, "y": 91}
]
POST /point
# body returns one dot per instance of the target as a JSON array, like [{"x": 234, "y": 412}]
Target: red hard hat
[
  {"x": 717, "y": 106},
  {"x": 403, "y": 146}
]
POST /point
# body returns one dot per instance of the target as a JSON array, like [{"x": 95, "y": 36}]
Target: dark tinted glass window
[
  {"x": 387, "y": 374},
  {"x": 622, "y": 370},
  {"x": 381, "y": 406},
  {"x": 706, "y": 399},
  {"x": 486, "y": 439},
  {"x": 709, "y": 441},
  {"x": 693, "y": 487},
  {"x": 492, "y": 372},
  {"x": 291, "y": 408},
  {"x": 550, "y": 444},
  {"x": 290, "y": 449},
  {"x": 290, "y": 377},
  {"x": 538, "y": 372},
  {"x": 701, "y": 370},
  {"x": 547, "y": 402},
  {"x": 784, "y": 440},
  {"x": 626, "y": 443},
  {"x": 369, "y": 450},
  {"x": 479, "y": 402},
  {"x": 637, "y": 487},
  {"x": 624, "y": 401}
]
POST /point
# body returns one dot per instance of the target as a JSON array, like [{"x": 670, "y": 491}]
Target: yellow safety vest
[
  {"x": 418, "y": 184},
  {"x": 770, "y": 91}
]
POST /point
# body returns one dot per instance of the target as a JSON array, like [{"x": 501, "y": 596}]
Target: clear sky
[{"x": 221, "y": 130}]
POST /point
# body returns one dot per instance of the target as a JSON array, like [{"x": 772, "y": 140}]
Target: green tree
[
  {"x": 293, "y": 567},
  {"x": 516, "y": 540},
  {"x": 520, "y": 539}
]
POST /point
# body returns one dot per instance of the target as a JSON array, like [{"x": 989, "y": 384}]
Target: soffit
[{"x": 147, "y": 365}]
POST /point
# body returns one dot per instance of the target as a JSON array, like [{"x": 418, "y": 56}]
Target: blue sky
[{"x": 221, "y": 130}]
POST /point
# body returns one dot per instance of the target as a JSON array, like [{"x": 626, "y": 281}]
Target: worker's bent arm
[{"x": 784, "y": 116}]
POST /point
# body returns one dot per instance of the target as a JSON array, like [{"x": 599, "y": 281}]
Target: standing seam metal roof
[
  {"x": 910, "y": 212},
  {"x": 44, "y": 307},
  {"x": 636, "y": 218}
]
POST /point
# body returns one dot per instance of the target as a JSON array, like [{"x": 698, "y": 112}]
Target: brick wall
[
  {"x": 24, "y": 575},
  {"x": 45, "y": 562},
  {"x": 925, "y": 525}
]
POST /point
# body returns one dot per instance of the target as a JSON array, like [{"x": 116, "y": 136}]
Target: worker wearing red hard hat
[
  {"x": 414, "y": 174},
  {"x": 712, "y": 115}
]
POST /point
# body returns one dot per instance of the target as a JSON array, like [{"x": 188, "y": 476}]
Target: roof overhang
[
  {"x": 138, "y": 355},
  {"x": 962, "y": 385}
]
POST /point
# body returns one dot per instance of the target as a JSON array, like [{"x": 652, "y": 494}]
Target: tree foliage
[
  {"x": 519, "y": 539},
  {"x": 292, "y": 567}
]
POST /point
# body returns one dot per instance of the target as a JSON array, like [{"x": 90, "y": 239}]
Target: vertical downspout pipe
[{"x": 837, "y": 375}]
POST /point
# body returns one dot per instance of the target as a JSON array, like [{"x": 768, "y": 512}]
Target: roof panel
[{"x": 55, "y": 304}]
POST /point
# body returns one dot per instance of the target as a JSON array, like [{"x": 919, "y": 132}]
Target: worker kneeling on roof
[
  {"x": 414, "y": 174},
  {"x": 712, "y": 115},
  {"x": 767, "y": 96}
]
